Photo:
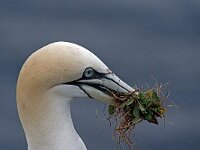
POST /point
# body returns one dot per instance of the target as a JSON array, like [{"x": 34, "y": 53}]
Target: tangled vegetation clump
[{"x": 128, "y": 110}]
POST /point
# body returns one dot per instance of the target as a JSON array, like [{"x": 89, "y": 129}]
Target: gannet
[{"x": 49, "y": 79}]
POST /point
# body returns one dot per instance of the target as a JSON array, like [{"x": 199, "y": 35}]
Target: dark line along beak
[{"x": 108, "y": 84}]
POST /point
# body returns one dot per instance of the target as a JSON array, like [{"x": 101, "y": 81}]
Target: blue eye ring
[{"x": 89, "y": 73}]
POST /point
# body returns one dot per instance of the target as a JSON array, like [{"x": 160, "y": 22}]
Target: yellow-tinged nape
[
  {"x": 45, "y": 116},
  {"x": 49, "y": 79},
  {"x": 54, "y": 64},
  {"x": 51, "y": 65}
]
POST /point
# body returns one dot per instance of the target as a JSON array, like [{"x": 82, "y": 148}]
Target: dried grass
[{"x": 130, "y": 109}]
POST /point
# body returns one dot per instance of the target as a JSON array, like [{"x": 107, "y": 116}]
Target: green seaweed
[{"x": 131, "y": 109}]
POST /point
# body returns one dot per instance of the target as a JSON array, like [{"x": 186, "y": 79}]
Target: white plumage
[{"x": 49, "y": 79}]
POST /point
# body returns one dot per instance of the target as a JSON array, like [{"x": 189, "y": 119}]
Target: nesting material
[{"x": 129, "y": 110}]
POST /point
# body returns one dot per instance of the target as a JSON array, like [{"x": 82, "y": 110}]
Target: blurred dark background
[{"x": 137, "y": 39}]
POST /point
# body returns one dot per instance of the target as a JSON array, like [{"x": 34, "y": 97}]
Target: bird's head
[{"x": 69, "y": 70}]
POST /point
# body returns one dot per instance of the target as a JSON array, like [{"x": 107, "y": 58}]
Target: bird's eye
[{"x": 89, "y": 72}]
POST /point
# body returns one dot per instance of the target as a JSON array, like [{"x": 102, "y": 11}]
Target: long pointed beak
[
  {"x": 104, "y": 87},
  {"x": 112, "y": 82}
]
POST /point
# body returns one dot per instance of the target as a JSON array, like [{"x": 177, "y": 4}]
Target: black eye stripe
[
  {"x": 96, "y": 75},
  {"x": 91, "y": 73}
]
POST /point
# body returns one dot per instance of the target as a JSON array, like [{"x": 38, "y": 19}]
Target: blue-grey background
[{"x": 137, "y": 39}]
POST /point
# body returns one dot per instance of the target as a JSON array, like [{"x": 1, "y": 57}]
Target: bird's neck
[{"x": 51, "y": 126}]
